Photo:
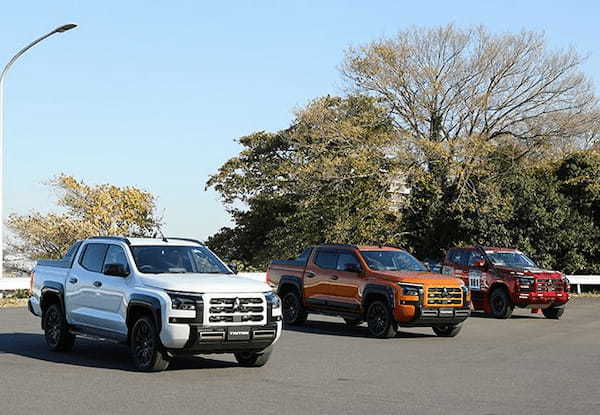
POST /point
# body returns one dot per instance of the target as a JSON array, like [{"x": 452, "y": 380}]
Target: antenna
[{"x": 160, "y": 232}]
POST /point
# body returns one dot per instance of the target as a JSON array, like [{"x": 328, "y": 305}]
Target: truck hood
[
  {"x": 205, "y": 283},
  {"x": 418, "y": 277},
  {"x": 531, "y": 272}
]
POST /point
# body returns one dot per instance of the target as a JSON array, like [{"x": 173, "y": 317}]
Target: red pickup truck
[
  {"x": 386, "y": 287},
  {"x": 502, "y": 278}
]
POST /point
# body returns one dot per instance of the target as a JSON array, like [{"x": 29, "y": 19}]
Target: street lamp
[{"x": 59, "y": 29}]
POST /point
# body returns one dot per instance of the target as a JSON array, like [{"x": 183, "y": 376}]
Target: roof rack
[
  {"x": 113, "y": 238},
  {"x": 186, "y": 239}
]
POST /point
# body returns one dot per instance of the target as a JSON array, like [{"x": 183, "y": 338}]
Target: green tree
[
  {"x": 85, "y": 211},
  {"x": 325, "y": 178}
]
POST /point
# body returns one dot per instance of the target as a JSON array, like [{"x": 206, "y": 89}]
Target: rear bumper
[
  {"x": 229, "y": 339},
  {"x": 33, "y": 305}
]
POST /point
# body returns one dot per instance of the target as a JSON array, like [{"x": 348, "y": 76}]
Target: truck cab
[
  {"x": 385, "y": 287},
  {"x": 501, "y": 279}
]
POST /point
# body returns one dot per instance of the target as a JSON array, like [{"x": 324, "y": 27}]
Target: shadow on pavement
[
  {"x": 341, "y": 329},
  {"x": 88, "y": 353},
  {"x": 477, "y": 314}
]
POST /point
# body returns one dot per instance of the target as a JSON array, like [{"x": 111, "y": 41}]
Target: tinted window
[
  {"x": 326, "y": 259},
  {"x": 116, "y": 255},
  {"x": 304, "y": 255},
  {"x": 475, "y": 256},
  {"x": 459, "y": 256},
  {"x": 93, "y": 257},
  {"x": 177, "y": 260},
  {"x": 345, "y": 259},
  {"x": 392, "y": 261}
]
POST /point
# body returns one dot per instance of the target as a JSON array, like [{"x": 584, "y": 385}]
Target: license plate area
[
  {"x": 446, "y": 312},
  {"x": 238, "y": 333}
]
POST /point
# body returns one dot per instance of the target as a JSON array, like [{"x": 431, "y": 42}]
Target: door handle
[
  {"x": 333, "y": 277},
  {"x": 97, "y": 284},
  {"x": 73, "y": 280},
  {"x": 309, "y": 275}
]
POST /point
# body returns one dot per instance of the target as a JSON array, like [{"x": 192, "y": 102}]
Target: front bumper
[
  {"x": 541, "y": 299},
  {"x": 439, "y": 316},
  {"x": 229, "y": 339},
  {"x": 33, "y": 305}
]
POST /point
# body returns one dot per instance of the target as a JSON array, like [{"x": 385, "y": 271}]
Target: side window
[
  {"x": 326, "y": 259},
  {"x": 116, "y": 255},
  {"x": 304, "y": 255},
  {"x": 93, "y": 257},
  {"x": 475, "y": 256},
  {"x": 459, "y": 256},
  {"x": 345, "y": 259}
]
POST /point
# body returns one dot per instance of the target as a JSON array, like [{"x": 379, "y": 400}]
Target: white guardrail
[{"x": 9, "y": 284}]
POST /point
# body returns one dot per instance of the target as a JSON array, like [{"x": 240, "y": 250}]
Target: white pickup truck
[{"x": 162, "y": 297}]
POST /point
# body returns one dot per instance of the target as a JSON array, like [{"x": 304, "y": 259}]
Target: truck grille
[
  {"x": 548, "y": 285},
  {"x": 235, "y": 309},
  {"x": 444, "y": 296}
]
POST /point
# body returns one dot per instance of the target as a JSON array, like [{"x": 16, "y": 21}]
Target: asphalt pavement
[{"x": 524, "y": 365}]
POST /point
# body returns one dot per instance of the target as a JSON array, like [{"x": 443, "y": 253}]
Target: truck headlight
[
  {"x": 273, "y": 299},
  {"x": 411, "y": 289},
  {"x": 181, "y": 301},
  {"x": 525, "y": 282}
]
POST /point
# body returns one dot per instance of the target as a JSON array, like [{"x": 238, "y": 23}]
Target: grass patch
[
  {"x": 13, "y": 302},
  {"x": 588, "y": 294}
]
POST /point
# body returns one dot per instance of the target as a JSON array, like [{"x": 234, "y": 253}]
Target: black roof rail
[
  {"x": 186, "y": 239},
  {"x": 113, "y": 238}
]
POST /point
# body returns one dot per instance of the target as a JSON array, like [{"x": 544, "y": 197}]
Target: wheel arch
[
  {"x": 52, "y": 292},
  {"x": 288, "y": 283},
  {"x": 377, "y": 291},
  {"x": 142, "y": 304}
]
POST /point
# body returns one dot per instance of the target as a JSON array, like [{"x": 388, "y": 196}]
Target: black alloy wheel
[
  {"x": 293, "y": 310},
  {"x": 380, "y": 320},
  {"x": 146, "y": 350}
]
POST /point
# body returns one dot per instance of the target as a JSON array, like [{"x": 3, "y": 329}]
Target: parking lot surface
[{"x": 527, "y": 364}]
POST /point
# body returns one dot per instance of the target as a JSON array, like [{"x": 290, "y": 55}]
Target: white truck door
[
  {"x": 82, "y": 296},
  {"x": 110, "y": 304}
]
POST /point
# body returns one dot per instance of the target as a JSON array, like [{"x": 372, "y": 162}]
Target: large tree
[
  {"x": 325, "y": 178},
  {"x": 84, "y": 211}
]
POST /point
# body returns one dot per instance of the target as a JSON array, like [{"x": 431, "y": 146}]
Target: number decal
[{"x": 475, "y": 280}]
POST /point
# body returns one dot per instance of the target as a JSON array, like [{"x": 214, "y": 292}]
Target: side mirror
[
  {"x": 479, "y": 263},
  {"x": 116, "y": 270},
  {"x": 352, "y": 268},
  {"x": 233, "y": 267}
]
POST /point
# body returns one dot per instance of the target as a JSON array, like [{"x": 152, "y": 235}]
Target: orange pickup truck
[{"x": 386, "y": 287}]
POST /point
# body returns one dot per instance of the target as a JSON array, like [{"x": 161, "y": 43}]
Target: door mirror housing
[
  {"x": 480, "y": 263},
  {"x": 116, "y": 270},
  {"x": 352, "y": 268},
  {"x": 233, "y": 267}
]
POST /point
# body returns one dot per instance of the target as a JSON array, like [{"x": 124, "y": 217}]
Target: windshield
[
  {"x": 392, "y": 261},
  {"x": 511, "y": 259},
  {"x": 177, "y": 260}
]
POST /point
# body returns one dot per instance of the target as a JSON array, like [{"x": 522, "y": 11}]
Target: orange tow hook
[{"x": 535, "y": 310}]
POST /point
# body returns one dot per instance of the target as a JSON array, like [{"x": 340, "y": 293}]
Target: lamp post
[{"x": 59, "y": 29}]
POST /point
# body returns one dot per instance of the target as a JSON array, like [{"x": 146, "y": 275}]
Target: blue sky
[{"x": 154, "y": 93}]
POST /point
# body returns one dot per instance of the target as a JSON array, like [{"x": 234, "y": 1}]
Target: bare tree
[{"x": 446, "y": 84}]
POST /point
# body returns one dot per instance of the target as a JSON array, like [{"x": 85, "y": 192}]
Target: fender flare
[
  {"x": 146, "y": 301},
  {"x": 385, "y": 290},
  {"x": 291, "y": 280},
  {"x": 55, "y": 288}
]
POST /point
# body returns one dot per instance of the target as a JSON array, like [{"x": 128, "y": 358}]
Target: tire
[
  {"x": 353, "y": 322},
  {"x": 253, "y": 359},
  {"x": 500, "y": 304},
  {"x": 447, "y": 331},
  {"x": 56, "y": 330},
  {"x": 293, "y": 310},
  {"x": 146, "y": 350},
  {"x": 553, "y": 313},
  {"x": 380, "y": 320}
]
